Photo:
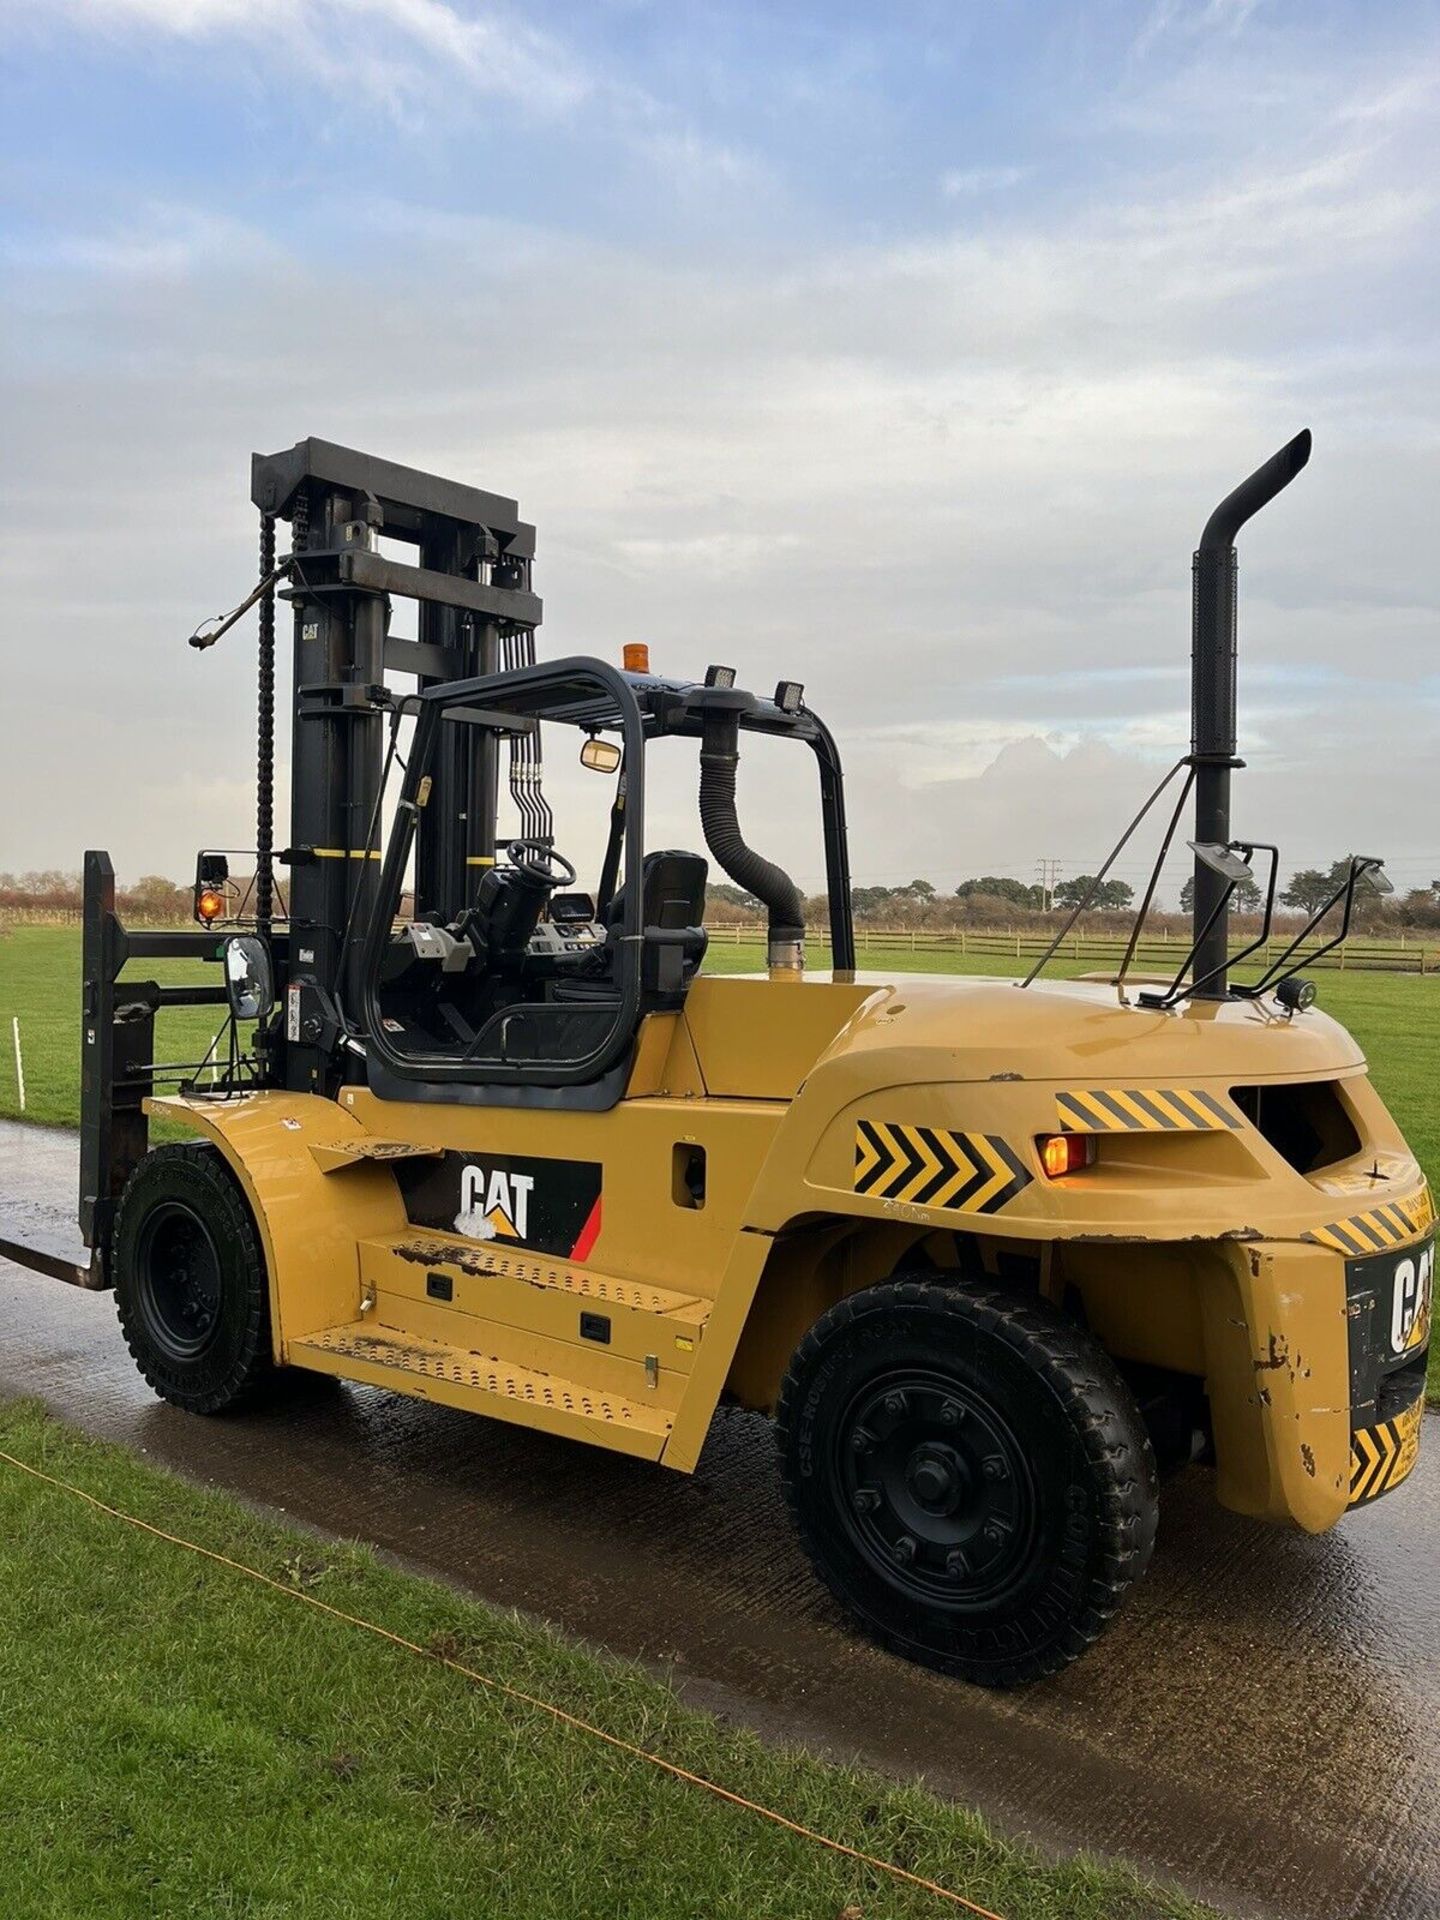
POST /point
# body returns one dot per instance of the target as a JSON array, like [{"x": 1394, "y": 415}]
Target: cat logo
[
  {"x": 494, "y": 1206},
  {"x": 516, "y": 1200},
  {"x": 1410, "y": 1301}
]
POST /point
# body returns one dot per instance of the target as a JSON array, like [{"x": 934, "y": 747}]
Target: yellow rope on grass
[{"x": 516, "y": 1694}]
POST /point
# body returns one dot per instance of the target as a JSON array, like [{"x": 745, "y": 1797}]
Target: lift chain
[{"x": 265, "y": 748}]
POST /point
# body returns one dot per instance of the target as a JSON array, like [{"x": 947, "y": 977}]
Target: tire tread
[
  {"x": 251, "y": 1369},
  {"x": 1098, "y": 1403}
]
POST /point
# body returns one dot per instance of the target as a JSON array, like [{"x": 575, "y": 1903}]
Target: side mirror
[
  {"x": 600, "y": 756},
  {"x": 249, "y": 978},
  {"x": 1222, "y": 859}
]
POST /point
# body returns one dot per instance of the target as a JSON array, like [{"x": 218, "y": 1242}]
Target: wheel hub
[
  {"x": 938, "y": 1492},
  {"x": 936, "y": 1477},
  {"x": 178, "y": 1271}
]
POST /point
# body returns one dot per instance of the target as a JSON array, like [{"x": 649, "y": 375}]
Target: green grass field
[
  {"x": 1395, "y": 1017},
  {"x": 176, "y": 1740}
]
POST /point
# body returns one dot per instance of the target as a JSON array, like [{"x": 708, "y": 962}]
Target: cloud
[
  {"x": 951, "y": 480},
  {"x": 962, "y": 183},
  {"x": 427, "y": 63},
  {"x": 395, "y": 49},
  {"x": 155, "y": 242},
  {"x": 1191, "y": 19}
]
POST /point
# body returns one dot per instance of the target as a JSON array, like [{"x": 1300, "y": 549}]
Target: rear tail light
[{"x": 1062, "y": 1153}]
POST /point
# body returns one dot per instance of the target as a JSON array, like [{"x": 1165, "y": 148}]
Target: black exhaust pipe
[
  {"x": 719, "y": 757},
  {"x": 1212, "y": 696}
]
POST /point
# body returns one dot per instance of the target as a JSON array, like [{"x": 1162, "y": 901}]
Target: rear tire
[
  {"x": 969, "y": 1474},
  {"x": 190, "y": 1283}
]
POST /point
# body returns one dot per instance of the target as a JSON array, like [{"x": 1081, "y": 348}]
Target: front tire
[
  {"x": 969, "y": 1474},
  {"x": 190, "y": 1282}
]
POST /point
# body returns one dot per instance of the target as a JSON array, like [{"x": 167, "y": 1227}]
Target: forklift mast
[{"x": 470, "y": 578}]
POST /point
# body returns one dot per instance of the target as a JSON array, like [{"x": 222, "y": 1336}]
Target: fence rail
[
  {"x": 1158, "y": 951},
  {"x": 1405, "y": 953}
]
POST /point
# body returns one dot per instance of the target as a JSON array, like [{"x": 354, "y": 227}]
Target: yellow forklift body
[
  {"x": 994, "y": 1254},
  {"x": 782, "y": 1143}
]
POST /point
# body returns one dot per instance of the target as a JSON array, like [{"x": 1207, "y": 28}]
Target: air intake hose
[{"x": 719, "y": 757}]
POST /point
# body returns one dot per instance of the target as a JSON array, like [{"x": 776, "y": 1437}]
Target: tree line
[
  {"x": 152, "y": 897},
  {"x": 991, "y": 899},
  {"x": 984, "y": 900}
]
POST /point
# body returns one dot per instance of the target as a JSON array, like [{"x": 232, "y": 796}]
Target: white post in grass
[
  {"x": 210, "y": 1059},
  {"x": 19, "y": 1060}
]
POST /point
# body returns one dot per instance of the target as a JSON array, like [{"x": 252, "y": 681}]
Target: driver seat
[{"x": 672, "y": 908}]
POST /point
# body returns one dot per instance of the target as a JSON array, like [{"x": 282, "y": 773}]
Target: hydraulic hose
[{"x": 719, "y": 757}]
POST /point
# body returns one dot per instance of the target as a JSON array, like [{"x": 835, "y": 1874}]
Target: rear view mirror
[
  {"x": 600, "y": 756},
  {"x": 249, "y": 979}
]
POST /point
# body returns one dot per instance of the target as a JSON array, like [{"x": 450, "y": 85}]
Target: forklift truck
[{"x": 994, "y": 1254}]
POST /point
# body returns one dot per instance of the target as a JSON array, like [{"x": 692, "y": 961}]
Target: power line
[
  {"x": 1049, "y": 872},
  {"x": 1423, "y": 868}
]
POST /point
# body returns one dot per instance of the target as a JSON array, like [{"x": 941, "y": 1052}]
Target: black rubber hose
[{"x": 719, "y": 756}]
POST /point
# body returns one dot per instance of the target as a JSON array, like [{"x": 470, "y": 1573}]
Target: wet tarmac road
[{"x": 1261, "y": 1725}]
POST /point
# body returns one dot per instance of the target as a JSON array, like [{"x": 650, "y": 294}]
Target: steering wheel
[{"x": 537, "y": 860}]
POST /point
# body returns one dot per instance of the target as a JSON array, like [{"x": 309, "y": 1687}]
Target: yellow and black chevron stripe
[
  {"x": 1377, "y": 1228},
  {"x": 1142, "y": 1110},
  {"x": 932, "y": 1167},
  {"x": 1381, "y": 1457}
]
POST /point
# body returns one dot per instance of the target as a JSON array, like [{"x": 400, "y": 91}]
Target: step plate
[
  {"x": 482, "y": 1259},
  {"x": 483, "y": 1383},
  {"x": 365, "y": 1151}
]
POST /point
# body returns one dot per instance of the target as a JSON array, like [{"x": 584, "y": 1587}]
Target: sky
[{"x": 902, "y": 351}]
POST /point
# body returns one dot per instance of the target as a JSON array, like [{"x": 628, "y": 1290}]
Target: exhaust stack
[{"x": 1212, "y": 694}]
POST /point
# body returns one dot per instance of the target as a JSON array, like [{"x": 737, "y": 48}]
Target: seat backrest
[
  {"x": 672, "y": 892},
  {"x": 672, "y": 914}
]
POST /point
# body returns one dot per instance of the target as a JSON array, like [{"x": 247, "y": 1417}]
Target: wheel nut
[
  {"x": 865, "y": 1500},
  {"x": 861, "y": 1440},
  {"x": 951, "y": 1413},
  {"x": 957, "y": 1563},
  {"x": 895, "y": 1403},
  {"x": 904, "y": 1550},
  {"x": 995, "y": 1468}
]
